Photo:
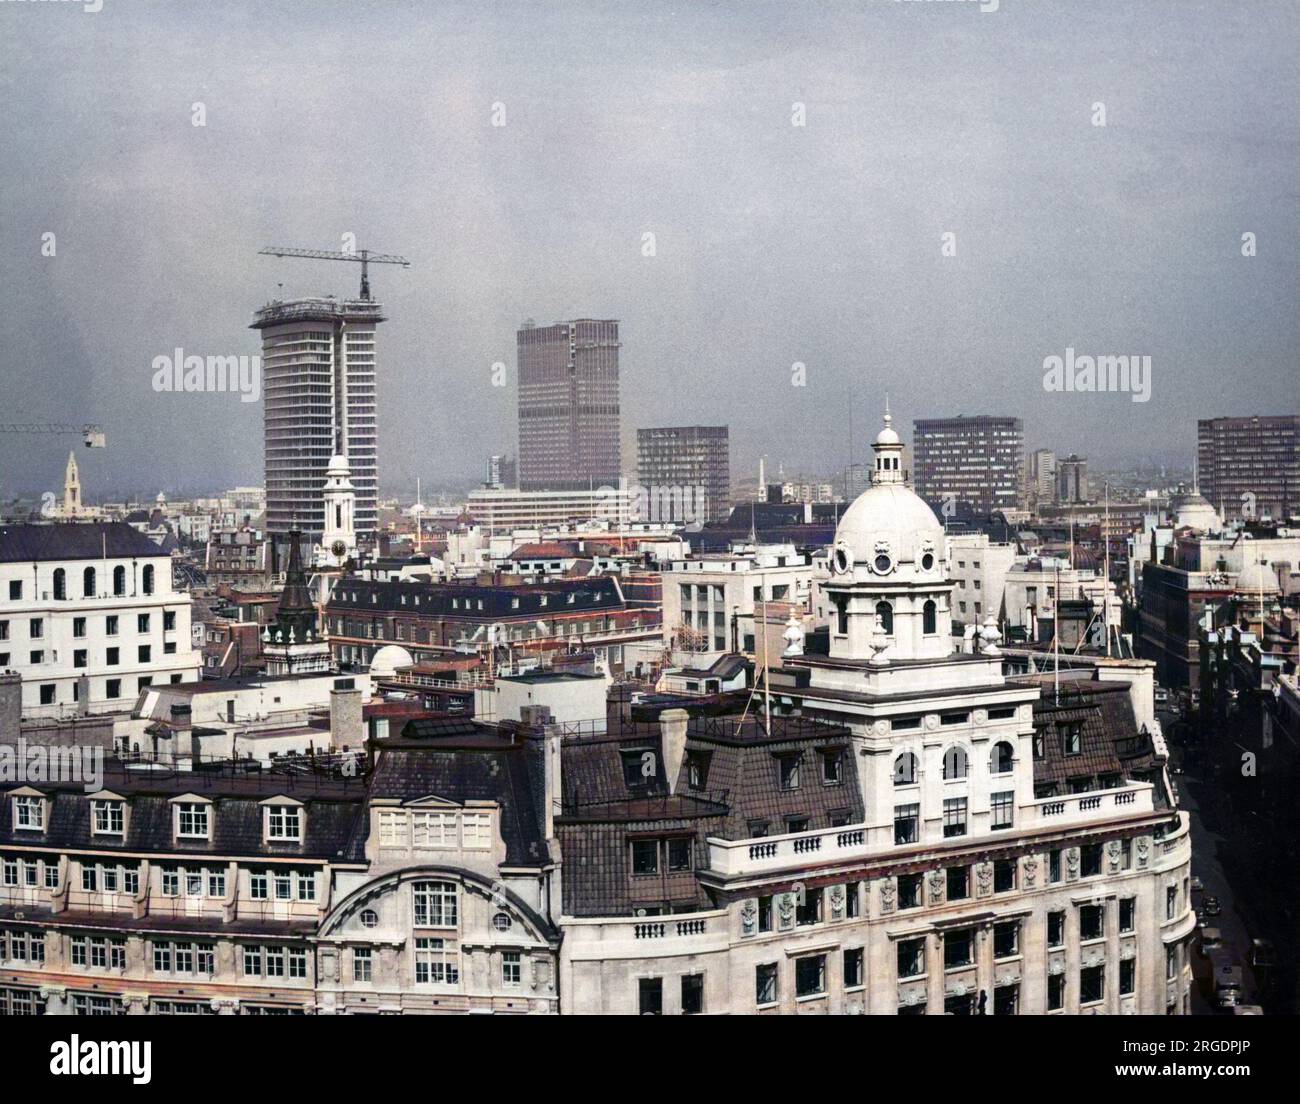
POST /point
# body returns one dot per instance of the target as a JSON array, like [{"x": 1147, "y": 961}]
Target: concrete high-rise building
[
  {"x": 1042, "y": 475},
  {"x": 1072, "y": 479},
  {"x": 568, "y": 405},
  {"x": 318, "y": 382},
  {"x": 971, "y": 464},
  {"x": 1250, "y": 466},
  {"x": 690, "y": 466}
]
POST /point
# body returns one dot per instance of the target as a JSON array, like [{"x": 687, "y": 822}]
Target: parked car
[
  {"x": 1211, "y": 940},
  {"x": 1198, "y": 886},
  {"x": 1210, "y": 906}
]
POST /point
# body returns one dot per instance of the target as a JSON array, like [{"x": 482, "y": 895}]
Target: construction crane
[
  {"x": 93, "y": 435},
  {"x": 366, "y": 258}
]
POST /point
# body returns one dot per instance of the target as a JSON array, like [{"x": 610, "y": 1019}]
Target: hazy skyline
[{"x": 775, "y": 244}]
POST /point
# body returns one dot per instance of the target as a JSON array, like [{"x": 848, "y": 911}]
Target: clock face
[{"x": 338, "y": 548}]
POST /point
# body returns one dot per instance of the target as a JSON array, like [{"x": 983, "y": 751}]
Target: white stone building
[{"x": 89, "y": 617}]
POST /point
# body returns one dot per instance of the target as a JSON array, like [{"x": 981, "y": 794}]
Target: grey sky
[{"x": 774, "y": 243}]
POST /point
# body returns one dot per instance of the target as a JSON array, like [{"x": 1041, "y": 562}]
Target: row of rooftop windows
[{"x": 89, "y": 584}]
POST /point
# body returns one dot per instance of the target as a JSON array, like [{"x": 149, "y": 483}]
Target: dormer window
[
  {"x": 193, "y": 820},
  {"x": 284, "y": 824},
  {"x": 29, "y": 813},
  {"x": 108, "y": 818}
]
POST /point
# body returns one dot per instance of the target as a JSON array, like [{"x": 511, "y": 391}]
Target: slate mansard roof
[
  {"x": 335, "y": 819},
  {"x": 740, "y": 785},
  {"x": 74, "y": 541},
  {"x": 600, "y": 592}
]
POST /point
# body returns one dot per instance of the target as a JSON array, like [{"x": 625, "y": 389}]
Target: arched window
[
  {"x": 928, "y": 618},
  {"x": 886, "y": 614},
  {"x": 1001, "y": 760},
  {"x": 954, "y": 763},
  {"x": 146, "y": 578},
  {"x": 88, "y": 583},
  {"x": 905, "y": 769},
  {"x": 60, "y": 584},
  {"x": 119, "y": 581}
]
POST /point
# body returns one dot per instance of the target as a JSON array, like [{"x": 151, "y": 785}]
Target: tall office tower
[
  {"x": 974, "y": 462},
  {"x": 318, "y": 383},
  {"x": 1071, "y": 479},
  {"x": 1257, "y": 457},
  {"x": 568, "y": 405},
  {"x": 688, "y": 466},
  {"x": 1042, "y": 475}
]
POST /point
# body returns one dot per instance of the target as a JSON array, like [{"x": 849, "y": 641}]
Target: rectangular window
[
  {"x": 393, "y": 829},
  {"x": 1004, "y": 875},
  {"x": 1127, "y": 976},
  {"x": 1092, "y": 922},
  {"x": 810, "y": 912},
  {"x": 1171, "y": 902},
  {"x": 958, "y": 883},
  {"x": 143, "y": 653},
  {"x": 788, "y": 771},
  {"x": 476, "y": 831},
  {"x": 110, "y": 625},
  {"x": 1006, "y": 939},
  {"x": 1056, "y": 929},
  {"x": 1003, "y": 805},
  {"x": 1054, "y": 866},
  {"x": 434, "y": 904},
  {"x": 29, "y": 813},
  {"x": 1092, "y": 984},
  {"x": 283, "y": 822},
  {"x": 852, "y": 900},
  {"x": 142, "y": 622},
  {"x": 853, "y": 962},
  {"x": 511, "y": 968},
  {"x": 1055, "y": 992},
  {"x": 692, "y": 994},
  {"x": 909, "y": 891},
  {"x": 911, "y": 957},
  {"x": 258, "y": 886},
  {"x": 810, "y": 976},
  {"x": 765, "y": 991},
  {"x": 282, "y": 881},
  {"x": 907, "y": 823},
  {"x": 765, "y": 914},
  {"x": 362, "y": 965},
  {"x": 958, "y": 948},
  {"x": 832, "y": 767},
  {"x": 1090, "y": 860},
  {"x": 1006, "y": 1000},
  {"x": 645, "y": 856},
  {"x": 108, "y": 817},
  {"x": 650, "y": 996},
  {"x": 1127, "y": 913},
  {"x": 192, "y": 821},
  {"x": 954, "y": 816},
  {"x": 679, "y": 853}
]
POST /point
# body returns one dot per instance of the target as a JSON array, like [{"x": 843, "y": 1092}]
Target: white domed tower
[
  {"x": 889, "y": 580},
  {"x": 339, "y": 538}
]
